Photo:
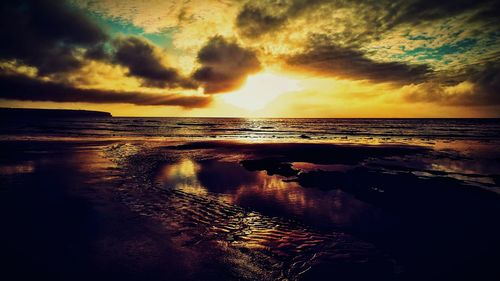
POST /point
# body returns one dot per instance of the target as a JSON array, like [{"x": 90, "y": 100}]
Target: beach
[
  {"x": 171, "y": 209},
  {"x": 238, "y": 140}
]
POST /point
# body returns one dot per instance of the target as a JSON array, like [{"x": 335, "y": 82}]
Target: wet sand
[
  {"x": 135, "y": 210},
  {"x": 61, "y": 220}
]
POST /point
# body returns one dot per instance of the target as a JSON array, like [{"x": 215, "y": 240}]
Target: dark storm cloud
[
  {"x": 489, "y": 80},
  {"x": 421, "y": 10},
  {"x": 55, "y": 37},
  {"x": 98, "y": 53},
  {"x": 23, "y": 88},
  {"x": 224, "y": 65},
  {"x": 45, "y": 34},
  {"x": 259, "y": 17},
  {"x": 483, "y": 89},
  {"x": 254, "y": 21},
  {"x": 144, "y": 60},
  {"x": 352, "y": 64}
]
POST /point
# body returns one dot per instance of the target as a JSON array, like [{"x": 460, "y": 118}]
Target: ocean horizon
[{"x": 314, "y": 129}]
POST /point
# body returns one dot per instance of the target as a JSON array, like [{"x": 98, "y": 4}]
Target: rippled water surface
[
  {"x": 272, "y": 226},
  {"x": 373, "y": 130},
  {"x": 267, "y": 228},
  {"x": 269, "y": 195}
]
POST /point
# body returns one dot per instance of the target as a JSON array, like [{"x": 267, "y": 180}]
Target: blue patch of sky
[
  {"x": 425, "y": 53},
  {"x": 116, "y": 27}
]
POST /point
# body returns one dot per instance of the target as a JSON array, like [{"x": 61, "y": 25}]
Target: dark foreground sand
[
  {"x": 61, "y": 221},
  {"x": 116, "y": 210}
]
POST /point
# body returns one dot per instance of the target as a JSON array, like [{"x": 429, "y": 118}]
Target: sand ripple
[{"x": 254, "y": 246}]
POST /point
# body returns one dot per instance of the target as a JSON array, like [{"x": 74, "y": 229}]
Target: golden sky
[{"x": 275, "y": 58}]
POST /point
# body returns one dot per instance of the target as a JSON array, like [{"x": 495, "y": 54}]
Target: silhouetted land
[{"x": 34, "y": 113}]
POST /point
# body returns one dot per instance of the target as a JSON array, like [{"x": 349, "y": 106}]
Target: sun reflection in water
[
  {"x": 271, "y": 195},
  {"x": 183, "y": 176}
]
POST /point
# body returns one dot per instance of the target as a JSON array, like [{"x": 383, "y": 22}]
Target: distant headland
[{"x": 30, "y": 113}]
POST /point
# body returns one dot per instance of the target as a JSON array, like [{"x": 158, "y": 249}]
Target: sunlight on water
[
  {"x": 252, "y": 211},
  {"x": 278, "y": 227},
  {"x": 434, "y": 132},
  {"x": 183, "y": 177},
  {"x": 270, "y": 195},
  {"x": 22, "y": 168}
]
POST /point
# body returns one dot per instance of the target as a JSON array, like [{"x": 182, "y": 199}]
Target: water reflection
[
  {"x": 269, "y": 195},
  {"x": 182, "y": 176},
  {"x": 20, "y": 168},
  {"x": 262, "y": 222},
  {"x": 475, "y": 171}
]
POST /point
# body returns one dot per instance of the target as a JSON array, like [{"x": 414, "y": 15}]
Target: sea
[{"x": 265, "y": 129}]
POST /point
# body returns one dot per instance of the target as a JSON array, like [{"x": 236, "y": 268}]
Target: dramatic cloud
[
  {"x": 145, "y": 61},
  {"x": 29, "y": 89},
  {"x": 482, "y": 88},
  {"x": 55, "y": 37},
  {"x": 224, "y": 65},
  {"x": 352, "y": 64},
  {"x": 253, "y": 21},
  {"x": 421, "y": 10},
  {"x": 45, "y": 34},
  {"x": 259, "y": 17},
  {"x": 425, "y": 53},
  {"x": 188, "y": 23}
]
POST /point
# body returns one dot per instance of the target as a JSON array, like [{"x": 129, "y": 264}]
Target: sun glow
[{"x": 261, "y": 89}]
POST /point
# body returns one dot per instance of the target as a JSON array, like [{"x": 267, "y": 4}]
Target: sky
[{"x": 261, "y": 58}]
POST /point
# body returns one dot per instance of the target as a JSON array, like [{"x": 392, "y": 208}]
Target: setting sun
[{"x": 261, "y": 89}]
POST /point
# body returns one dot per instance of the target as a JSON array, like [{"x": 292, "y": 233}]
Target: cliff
[{"x": 32, "y": 113}]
